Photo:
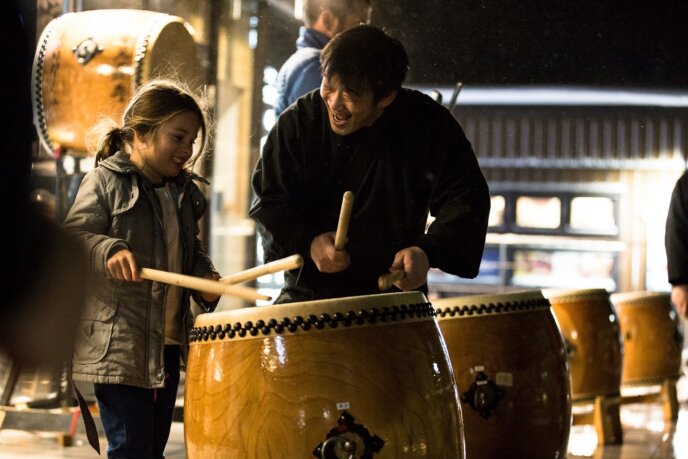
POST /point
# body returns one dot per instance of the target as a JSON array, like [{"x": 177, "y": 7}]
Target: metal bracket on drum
[
  {"x": 342, "y": 441},
  {"x": 87, "y": 50},
  {"x": 483, "y": 395}
]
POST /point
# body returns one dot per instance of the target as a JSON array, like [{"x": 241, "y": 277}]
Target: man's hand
[
  {"x": 326, "y": 258},
  {"x": 679, "y": 296},
  {"x": 122, "y": 266},
  {"x": 415, "y": 264}
]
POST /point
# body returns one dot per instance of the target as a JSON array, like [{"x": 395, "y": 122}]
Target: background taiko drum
[
  {"x": 511, "y": 370},
  {"x": 652, "y": 337},
  {"x": 317, "y": 378},
  {"x": 591, "y": 333},
  {"x": 88, "y": 65}
]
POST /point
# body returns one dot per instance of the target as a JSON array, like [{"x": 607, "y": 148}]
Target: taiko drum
[
  {"x": 652, "y": 337},
  {"x": 356, "y": 377},
  {"x": 590, "y": 328},
  {"x": 88, "y": 65},
  {"x": 512, "y": 374}
]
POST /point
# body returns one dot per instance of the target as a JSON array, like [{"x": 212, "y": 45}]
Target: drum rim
[
  {"x": 520, "y": 295},
  {"x": 277, "y": 319},
  {"x": 562, "y": 295},
  {"x": 478, "y": 305},
  {"x": 637, "y": 297}
]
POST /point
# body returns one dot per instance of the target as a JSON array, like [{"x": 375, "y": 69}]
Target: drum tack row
[{"x": 371, "y": 376}]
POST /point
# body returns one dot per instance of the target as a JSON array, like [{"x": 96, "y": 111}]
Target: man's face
[
  {"x": 359, "y": 13},
  {"x": 349, "y": 110}
]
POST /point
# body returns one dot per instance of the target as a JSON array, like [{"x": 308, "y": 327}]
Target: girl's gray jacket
[{"x": 120, "y": 338}]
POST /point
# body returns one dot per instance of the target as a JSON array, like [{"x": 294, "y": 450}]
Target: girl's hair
[{"x": 154, "y": 103}]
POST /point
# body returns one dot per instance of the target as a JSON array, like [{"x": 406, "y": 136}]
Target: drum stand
[
  {"x": 605, "y": 416},
  {"x": 666, "y": 395},
  {"x": 605, "y": 413}
]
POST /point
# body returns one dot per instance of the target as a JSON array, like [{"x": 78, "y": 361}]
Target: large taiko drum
[
  {"x": 356, "y": 377},
  {"x": 512, "y": 374},
  {"x": 591, "y": 333},
  {"x": 88, "y": 65},
  {"x": 652, "y": 337}
]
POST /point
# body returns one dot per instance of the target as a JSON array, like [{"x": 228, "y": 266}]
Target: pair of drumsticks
[
  {"x": 385, "y": 281},
  {"x": 224, "y": 285}
]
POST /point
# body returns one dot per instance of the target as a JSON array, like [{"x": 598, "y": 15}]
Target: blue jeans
[{"x": 136, "y": 420}]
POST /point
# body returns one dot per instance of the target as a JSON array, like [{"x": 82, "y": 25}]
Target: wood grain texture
[
  {"x": 533, "y": 418},
  {"x": 277, "y": 396}
]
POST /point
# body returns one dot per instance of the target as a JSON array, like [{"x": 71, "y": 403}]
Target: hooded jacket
[
  {"x": 120, "y": 338},
  {"x": 300, "y": 73}
]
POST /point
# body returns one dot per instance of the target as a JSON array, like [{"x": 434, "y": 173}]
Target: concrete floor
[{"x": 646, "y": 436}]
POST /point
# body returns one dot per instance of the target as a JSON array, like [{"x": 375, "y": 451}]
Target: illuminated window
[
  {"x": 538, "y": 212},
  {"x": 498, "y": 204},
  {"x": 594, "y": 213}
]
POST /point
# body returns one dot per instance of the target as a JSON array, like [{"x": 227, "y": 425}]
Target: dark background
[{"x": 527, "y": 42}]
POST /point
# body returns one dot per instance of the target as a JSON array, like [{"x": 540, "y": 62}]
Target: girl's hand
[
  {"x": 122, "y": 266},
  {"x": 210, "y": 297}
]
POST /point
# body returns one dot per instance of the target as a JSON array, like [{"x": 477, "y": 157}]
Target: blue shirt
[{"x": 301, "y": 72}]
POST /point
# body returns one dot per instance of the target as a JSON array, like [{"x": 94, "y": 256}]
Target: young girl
[{"x": 140, "y": 208}]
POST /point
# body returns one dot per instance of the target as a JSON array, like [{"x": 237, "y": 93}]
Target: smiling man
[{"x": 401, "y": 154}]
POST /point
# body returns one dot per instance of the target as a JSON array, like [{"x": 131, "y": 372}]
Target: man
[
  {"x": 397, "y": 150},
  {"x": 323, "y": 19},
  {"x": 676, "y": 242}
]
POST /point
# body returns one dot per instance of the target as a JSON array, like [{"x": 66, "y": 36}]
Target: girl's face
[{"x": 164, "y": 155}]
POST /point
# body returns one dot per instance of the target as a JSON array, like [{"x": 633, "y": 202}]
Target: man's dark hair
[{"x": 365, "y": 58}]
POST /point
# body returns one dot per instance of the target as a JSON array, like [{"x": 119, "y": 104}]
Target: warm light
[
  {"x": 592, "y": 213},
  {"x": 497, "y": 206},
  {"x": 538, "y": 212},
  {"x": 298, "y": 9}
]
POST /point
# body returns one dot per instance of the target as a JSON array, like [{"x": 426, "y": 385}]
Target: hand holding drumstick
[
  {"x": 327, "y": 250},
  {"x": 408, "y": 271},
  {"x": 122, "y": 265}
]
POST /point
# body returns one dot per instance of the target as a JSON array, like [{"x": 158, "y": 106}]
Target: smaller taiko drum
[
  {"x": 591, "y": 333},
  {"x": 88, "y": 65},
  {"x": 356, "y": 377},
  {"x": 652, "y": 337},
  {"x": 512, "y": 374}
]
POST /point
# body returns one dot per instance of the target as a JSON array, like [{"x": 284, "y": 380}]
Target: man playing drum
[{"x": 399, "y": 152}]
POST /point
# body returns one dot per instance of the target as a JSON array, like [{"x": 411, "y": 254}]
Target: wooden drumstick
[
  {"x": 343, "y": 225},
  {"x": 283, "y": 264},
  {"x": 202, "y": 285},
  {"x": 386, "y": 281}
]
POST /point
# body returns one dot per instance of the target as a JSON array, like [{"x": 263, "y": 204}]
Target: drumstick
[
  {"x": 386, "y": 281},
  {"x": 343, "y": 225},
  {"x": 201, "y": 284},
  {"x": 283, "y": 264}
]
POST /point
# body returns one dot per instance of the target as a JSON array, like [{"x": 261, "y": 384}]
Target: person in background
[
  {"x": 397, "y": 150},
  {"x": 140, "y": 207},
  {"x": 323, "y": 19},
  {"x": 676, "y": 243}
]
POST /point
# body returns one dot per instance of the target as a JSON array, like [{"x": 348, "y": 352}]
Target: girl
[{"x": 140, "y": 208}]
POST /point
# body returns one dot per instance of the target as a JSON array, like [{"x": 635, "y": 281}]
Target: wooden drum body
[
  {"x": 357, "y": 377},
  {"x": 511, "y": 370},
  {"x": 88, "y": 64},
  {"x": 652, "y": 337},
  {"x": 592, "y": 337}
]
